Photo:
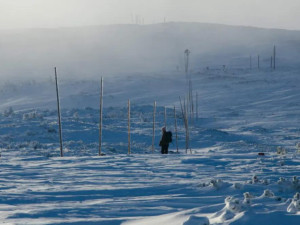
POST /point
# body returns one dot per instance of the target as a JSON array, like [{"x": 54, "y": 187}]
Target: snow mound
[
  {"x": 294, "y": 207},
  {"x": 256, "y": 180},
  {"x": 218, "y": 184},
  {"x": 281, "y": 151},
  {"x": 233, "y": 204},
  {"x": 197, "y": 220}
]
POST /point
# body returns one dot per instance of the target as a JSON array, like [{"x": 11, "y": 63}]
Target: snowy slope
[
  {"x": 223, "y": 181},
  {"x": 115, "y": 49}
]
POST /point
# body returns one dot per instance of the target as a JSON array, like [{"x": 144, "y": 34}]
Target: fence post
[
  {"x": 184, "y": 108},
  {"x": 101, "y": 117},
  {"x": 197, "y": 113},
  {"x": 59, "y": 115},
  {"x": 153, "y": 136},
  {"x": 129, "y": 146},
  {"x": 176, "y": 128},
  {"x": 274, "y": 57},
  {"x": 165, "y": 117},
  {"x": 271, "y": 62}
]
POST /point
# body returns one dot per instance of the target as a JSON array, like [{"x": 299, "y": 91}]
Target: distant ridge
[{"x": 126, "y": 48}]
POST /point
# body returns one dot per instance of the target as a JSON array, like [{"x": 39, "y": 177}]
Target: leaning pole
[{"x": 59, "y": 115}]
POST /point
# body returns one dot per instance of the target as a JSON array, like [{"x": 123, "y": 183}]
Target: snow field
[
  {"x": 223, "y": 181},
  {"x": 139, "y": 190}
]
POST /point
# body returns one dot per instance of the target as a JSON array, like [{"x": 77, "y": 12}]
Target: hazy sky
[{"x": 61, "y": 13}]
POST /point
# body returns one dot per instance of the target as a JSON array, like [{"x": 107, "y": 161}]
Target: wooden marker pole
[
  {"x": 101, "y": 117},
  {"x": 153, "y": 131},
  {"x": 129, "y": 146},
  {"x": 176, "y": 128},
  {"x": 186, "y": 126},
  {"x": 165, "y": 117},
  {"x": 197, "y": 112},
  {"x": 185, "y": 119},
  {"x": 274, "y": 57},
  {"x": 59, "y": 115},
  {"x": 271, "y": 62}
]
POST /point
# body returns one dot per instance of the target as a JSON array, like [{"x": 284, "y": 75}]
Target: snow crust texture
[{"x": 223, "y": 179}]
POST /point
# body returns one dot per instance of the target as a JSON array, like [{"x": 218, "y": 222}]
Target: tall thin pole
[
  {"x": 274, "y": 57},
  {"x": 186, "y": 122},
  {"x": 188, "y": 78},
  {"x": 165, "y": 116},
  {"x": 271, "y": 62},
  {"x": 197, "y": 113},
  {"x": 129, "y": 150},
  {"x": 153, "y": 131},
  {"x": 101, "y": 117},
  {"x": 192, "y": 105},
  {"x": 186, "y": 127},
  {"x": 187, "y": 53},
  {"x": 175, "y": 118},
  {"x": 190, "y": 100},
  {"x": 59, "y": 115}
]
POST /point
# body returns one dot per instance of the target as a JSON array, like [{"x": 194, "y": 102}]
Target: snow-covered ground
[{"x": 222, "y": 180}]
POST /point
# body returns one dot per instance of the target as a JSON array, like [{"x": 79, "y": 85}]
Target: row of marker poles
[
  {"x": 101, "y": 121},
  {"x": 272, "y": 60}
]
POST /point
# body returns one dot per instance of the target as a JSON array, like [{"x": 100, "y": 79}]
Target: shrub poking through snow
[
  {"x": 282, "y": 181},
  {"x": 265, "y": 182},
  {"x": 8, "y": 112},
  {"x": 294, "y": 207},
  {"x": 217, "y": 183},
  {"x": 248, "y": 195},
  {"x": 268, "y": 194},
  {"x": 255, "y": 179},
  {"x": 233, "y": 204},
  {"x": 247, "y": 199},
  {"x": 287, "y": 185},
  {"x": 295, "y": 182},
  {"x": 298, "y": 146},
  {"x": 297, "y": 196},
  {"x": 281, "y": 151},
  {"x": 237, "y": 186},
  {"x": 203, "y": 185},
  {"x": 35, "y": 145},
  {"x": 32, "y": 115},
  {"x": 75, "y": 116}
]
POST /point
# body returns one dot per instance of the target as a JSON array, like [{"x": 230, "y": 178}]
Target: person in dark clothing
[{"x": 164, "y": 144}]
